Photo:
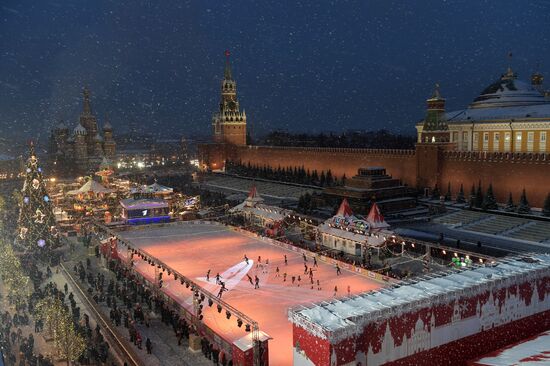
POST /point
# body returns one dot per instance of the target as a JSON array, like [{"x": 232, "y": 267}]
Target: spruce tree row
[
  {"x": 487, "y": 200},
  {"x": 291, "y": 174}
]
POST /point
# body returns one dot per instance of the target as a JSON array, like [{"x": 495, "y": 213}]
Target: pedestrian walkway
[{"x": 165, "y": 349}]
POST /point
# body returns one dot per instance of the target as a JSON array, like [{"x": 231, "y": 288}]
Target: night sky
[{"x": 299, "y": 65}]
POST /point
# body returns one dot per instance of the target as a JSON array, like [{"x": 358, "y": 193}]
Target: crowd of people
[
  {"x": 19, "y": 349},
  {"x": 130, "y": 303}
]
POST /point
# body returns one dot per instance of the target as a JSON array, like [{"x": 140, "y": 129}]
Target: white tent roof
[{"x": 91, "y": 186}]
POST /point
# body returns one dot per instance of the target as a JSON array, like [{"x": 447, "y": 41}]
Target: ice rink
[{"x": 193, "y": 249}]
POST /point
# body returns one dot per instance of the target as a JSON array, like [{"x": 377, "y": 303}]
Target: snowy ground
[
  {"x": 194, "y": 249},
  {"x": 534, "y": 351}
]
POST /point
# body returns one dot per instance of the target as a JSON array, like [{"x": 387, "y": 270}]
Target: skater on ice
[
  {"x": 338, "y": 270},
  {"x": 222, "y": 289},
  {"x": 286, "y": 261},
  {"x": 256, "y": 282},
  {"x": 246, "y": 259},
  {"x": 208, "y": 276}
]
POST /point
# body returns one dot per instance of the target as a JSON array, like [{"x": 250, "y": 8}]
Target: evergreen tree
[
  {"x": 323, "y": 179},
  {"x": 37, "y": 229},
  {"x": 435, "y": 193},
  {"x": 479, "y": 196},
  {"x": 489, "y": 202},
  {"x": 329, "y": 179},
  {"x": 460, "y": 197},
  {"x": 510, "y": 207},
  {"x": 523, "y": 206},
  {"x": 472, "y": 201},
  {"x": 546, "y": 206},
  {"x": 315, "y": 177},
  {"x": 448, "y": 194}
]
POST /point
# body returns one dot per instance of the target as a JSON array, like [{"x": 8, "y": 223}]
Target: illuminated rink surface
[{"x": 193, "y": 249}]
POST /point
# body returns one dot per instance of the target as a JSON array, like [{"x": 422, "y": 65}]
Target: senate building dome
[{"x": 509, "y": 115}]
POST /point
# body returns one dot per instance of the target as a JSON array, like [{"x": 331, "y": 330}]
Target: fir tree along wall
[{"x": 36, "y": 226}]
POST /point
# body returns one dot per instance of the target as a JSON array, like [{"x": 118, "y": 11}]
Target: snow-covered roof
[
  {"x": 505, "y": 99},
  {"x": 541, "y": 111},
  {"x": 157, "y": 188},
  {"x": 91, "y": 186},
  {"x": 252, "y": 200},
  {"x": 143, "y": 203},
  {"x": 375, "y": 240},
  {"x": 79, "y": 130},
  {"x": 375, "y": 218},
  {"x": 341, "y": 314},
  {"x": 533, "y": 351},
  {"x": 344, "y": 209},
  {"x": 270, "y": 212},
  {"x": 247, "y": 342}
]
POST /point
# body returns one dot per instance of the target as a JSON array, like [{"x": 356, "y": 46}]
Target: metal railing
[{"x": 255, "y": 329}]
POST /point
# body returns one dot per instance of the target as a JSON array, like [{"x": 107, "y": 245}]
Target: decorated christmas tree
[{"x": 37, "y": 229}]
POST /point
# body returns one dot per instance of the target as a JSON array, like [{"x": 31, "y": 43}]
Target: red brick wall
[
  {"x": 400, "y": 164},
  {"x": 507, "y": 173},
  {"x": 424, "y": 167}
]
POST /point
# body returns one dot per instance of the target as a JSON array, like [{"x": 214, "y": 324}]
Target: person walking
[
  {"x": 314, "y": 261},
  {"x": 284, "y": 277},
  {"x": 286, "y": 260},
  {"x": 338, "y": 270},
  {"x": 277, "y": 271},
  {"x": 335, "y": 290},
  {"x": 256, "y": 282},
  {"x": 208, "y": 276},
  {"x": 149, "y": 346}
]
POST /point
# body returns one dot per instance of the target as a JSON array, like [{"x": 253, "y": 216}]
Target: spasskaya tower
[{"x": 229, "y": 123}]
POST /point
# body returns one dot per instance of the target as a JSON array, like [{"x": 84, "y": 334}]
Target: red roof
[
  {"x": 374, "y": 214},
  {"x": 253, "y": 192},
  {"x": 345, "y": 209}
]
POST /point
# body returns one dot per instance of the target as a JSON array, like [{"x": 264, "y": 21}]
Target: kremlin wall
[
  {"x": 424, "y": 167},
  {"x": 500, "y": 139}
]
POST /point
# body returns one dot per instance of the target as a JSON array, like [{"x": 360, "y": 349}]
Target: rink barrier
[
  {"x": 202, "y": 328},
  {"x": 350, "y": 267},
  {"x": 323, "y": 258}
]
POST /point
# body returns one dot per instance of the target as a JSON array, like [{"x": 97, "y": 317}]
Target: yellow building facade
[{"x": 508, "y": 116}]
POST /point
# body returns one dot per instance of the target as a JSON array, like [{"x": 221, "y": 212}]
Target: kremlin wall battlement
[
  {"x": 424, "y": 167},
  {"x": 401, "y": 163}
]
